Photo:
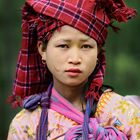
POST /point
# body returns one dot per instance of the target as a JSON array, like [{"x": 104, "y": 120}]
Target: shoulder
[
  {"x": 134, "y": 99},
  {"x": 116, "y": 110},
  {"x": 110, "y": 100},
  {"x": 25, "y": 115},
  {"x": 24, "y": 124}
]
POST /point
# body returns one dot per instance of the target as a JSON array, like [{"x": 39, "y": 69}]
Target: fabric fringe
[{"x": 116, "y": 10}]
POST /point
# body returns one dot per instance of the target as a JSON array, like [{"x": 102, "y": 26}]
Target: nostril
[{"x": 74, "y": 61}]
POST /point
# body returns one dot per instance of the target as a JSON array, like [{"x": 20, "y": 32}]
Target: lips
[{"x": 73, "y": 72}]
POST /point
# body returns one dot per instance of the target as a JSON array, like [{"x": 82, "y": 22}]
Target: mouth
[{"x": 73, "y": 72}]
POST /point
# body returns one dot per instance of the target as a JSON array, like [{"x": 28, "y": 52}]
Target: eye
[
  {"x": 62, "y": 46},
  {"x": 86, "y": 46}
]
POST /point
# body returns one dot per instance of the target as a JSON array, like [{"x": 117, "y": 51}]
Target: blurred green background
[{"x": 123, "y": 54}]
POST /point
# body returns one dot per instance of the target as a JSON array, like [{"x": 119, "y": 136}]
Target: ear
[{"x": 41, "y": 50}]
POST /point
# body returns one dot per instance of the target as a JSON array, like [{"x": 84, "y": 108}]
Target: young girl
[{"x": 60, "y": 70}]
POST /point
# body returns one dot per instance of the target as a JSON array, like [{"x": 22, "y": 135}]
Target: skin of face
[{"x": 70, "y": 56}]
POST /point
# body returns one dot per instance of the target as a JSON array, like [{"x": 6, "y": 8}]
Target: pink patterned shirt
[{"x": 112, "y": 110}]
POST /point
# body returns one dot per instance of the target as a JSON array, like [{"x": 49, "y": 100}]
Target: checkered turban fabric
[{"x": 40, "y": 18}]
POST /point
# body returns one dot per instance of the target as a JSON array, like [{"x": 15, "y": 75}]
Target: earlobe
[{"x": 41, "y": 50}]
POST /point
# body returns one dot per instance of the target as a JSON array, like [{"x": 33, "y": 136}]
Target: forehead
[{"x": 69, "y": 33}]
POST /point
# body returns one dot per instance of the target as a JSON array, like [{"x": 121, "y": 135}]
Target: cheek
[
  {"x": 91, "y": 66},
  {"x": 91, "y": 63},
  {"x": 53, "y": 63}
]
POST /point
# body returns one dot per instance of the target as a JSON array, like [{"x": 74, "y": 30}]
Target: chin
[{"x": 75, "y": 83}]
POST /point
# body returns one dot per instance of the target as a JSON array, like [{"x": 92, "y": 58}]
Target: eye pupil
[
  {"x": 86, "y": 46},
  {"x": 63, "y": 46}
]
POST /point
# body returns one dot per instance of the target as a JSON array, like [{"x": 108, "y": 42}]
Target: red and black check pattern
[
  {"x": 77, "y": 13},
  {"x": 40, "y": 19}
]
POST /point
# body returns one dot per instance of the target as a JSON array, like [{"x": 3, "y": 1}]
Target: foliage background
[{"x": 123, "y": 54}]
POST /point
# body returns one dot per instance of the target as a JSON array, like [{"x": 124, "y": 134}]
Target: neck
[{"x": 73, "y": 94}]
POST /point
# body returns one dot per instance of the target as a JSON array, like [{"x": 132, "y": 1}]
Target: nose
[{"x": 74, "y": 58}]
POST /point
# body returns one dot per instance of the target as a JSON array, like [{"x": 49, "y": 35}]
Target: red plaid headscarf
[{"x": 39, "y": 20}]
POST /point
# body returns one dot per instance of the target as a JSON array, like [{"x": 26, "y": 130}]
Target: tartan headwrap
[{"x": 40, "y": 18}]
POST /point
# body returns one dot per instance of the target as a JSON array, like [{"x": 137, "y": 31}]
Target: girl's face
[{"x": 70, "y": 56}]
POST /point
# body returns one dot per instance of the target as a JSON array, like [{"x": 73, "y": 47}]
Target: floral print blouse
[{"x": 112, "y": 110}]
